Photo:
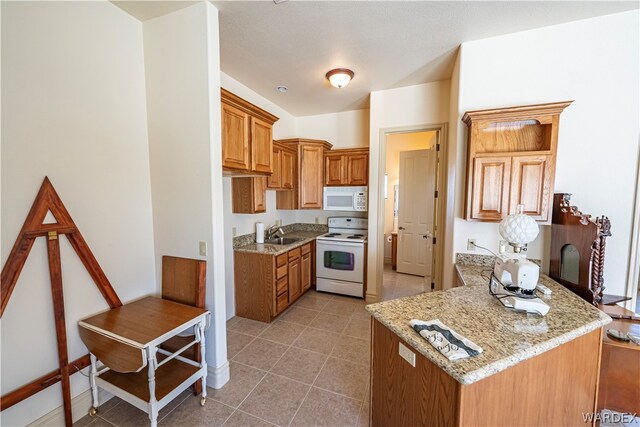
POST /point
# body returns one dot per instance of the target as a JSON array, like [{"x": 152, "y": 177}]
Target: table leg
[
  {"x": 203, "y": 362},
  {"x": 94, "y": 387},
  {"x": 153, "y": 403}
]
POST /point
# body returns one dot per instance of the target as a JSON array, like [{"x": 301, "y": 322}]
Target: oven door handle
[{"x": 335, "y": 243}]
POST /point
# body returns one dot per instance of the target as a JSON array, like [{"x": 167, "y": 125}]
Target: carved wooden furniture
[
  {"x": 346, "y": 167},
  {"x": 309, "y": 182},
  {"x": 511, "y": 157},
  {"x": 184, "y": 280},
  {"x": 48, "y": 200},
  {"x": 265, "y": 285},
  {"x": 619, "y": 388},
  {"x": 128, "y": 338},
  {"x": 578, "y": 249},
  {"x": 247, "y": 142},
  {"x": 577, "y": 262}
]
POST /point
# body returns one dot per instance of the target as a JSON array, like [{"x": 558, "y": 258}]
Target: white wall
[
  {"x": 407, "y": 107},
  {"x": 73, "y": 108},
  {"x": 182, "y": 68},
  {"x": 596, "y": 63},
  {"x": 347, "y": 129}
]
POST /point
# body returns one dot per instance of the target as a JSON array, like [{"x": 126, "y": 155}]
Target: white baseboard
[
  {"x": 217, "y": 377},
  {"x": 79, "y": 408}
]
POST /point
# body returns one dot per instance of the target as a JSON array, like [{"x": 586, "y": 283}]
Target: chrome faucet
[{"x": 271, "y": 231}]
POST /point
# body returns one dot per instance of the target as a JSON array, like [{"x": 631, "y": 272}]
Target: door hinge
[
  {"x": 437, "y": 147},
  {"x": 435, "y": 194},
  {"x": 433, "y": 285},
  {"x": 434, "y": 240}
]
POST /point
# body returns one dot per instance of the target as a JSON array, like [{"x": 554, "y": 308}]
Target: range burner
[
  {"x": 356, "y": 236},
  {"x": 332, "y": 235}
]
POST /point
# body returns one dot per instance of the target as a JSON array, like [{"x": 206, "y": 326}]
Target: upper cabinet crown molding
[
  {"x": 253, "y": 110},
  {"x": 511, "y": 158},
  {"x": 309, "y": 167},
  {"x": 514, "y": 113}
]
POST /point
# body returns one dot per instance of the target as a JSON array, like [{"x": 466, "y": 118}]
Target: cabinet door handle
[{"x": 401, "y": 228}]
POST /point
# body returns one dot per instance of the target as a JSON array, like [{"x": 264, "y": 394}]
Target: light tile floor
[
  {"x": 308, "y": 368},
  {"x": 398, "y": 285}
]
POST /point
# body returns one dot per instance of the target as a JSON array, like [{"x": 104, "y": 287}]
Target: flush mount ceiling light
[
  {"x": 340, "y": 77},
  {"x": 282, "y": 89}
]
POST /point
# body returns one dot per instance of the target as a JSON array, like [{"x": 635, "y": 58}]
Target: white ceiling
[{"x": 387, "y": 44}]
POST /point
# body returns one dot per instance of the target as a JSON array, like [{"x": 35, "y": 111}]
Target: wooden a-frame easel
[{"x": 48, "y": 200}]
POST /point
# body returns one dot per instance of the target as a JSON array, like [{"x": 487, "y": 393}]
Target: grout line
[
  {"x": 338, "y": 394},
  {"x": 105, "y": 420},
  {"x": 233, "y": 411},
  {"x": 308, "y": 391},
  {"x": 175, "y": 407},
  {"x": 254, "y": 416}
]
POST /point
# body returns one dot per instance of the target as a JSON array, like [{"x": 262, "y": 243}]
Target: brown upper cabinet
[
  {"x": 511, "y": 158},
  {"x": 346, "y": 167},
  {"x": 284, "y": 168},
  {"x": 308, "y": 180},
  {"x": 249, "y": 195},
  {"x": 247, "y": 142}
]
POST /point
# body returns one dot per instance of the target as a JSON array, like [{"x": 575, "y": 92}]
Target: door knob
[
  {"x": 400, "y": 228},
  {"x": 427, "y": 236}
]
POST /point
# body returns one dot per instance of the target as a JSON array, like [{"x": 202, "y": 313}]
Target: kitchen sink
[{"x": 283, "y": 240}]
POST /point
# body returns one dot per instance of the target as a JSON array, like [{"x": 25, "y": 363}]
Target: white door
[{"x": 415, "y": 212}]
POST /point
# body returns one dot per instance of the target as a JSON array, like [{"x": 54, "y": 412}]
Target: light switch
[
  {"x": 234, "y": 232},
  {"x": 407, "y": 354},
  {"x": 203, "y": 248}
]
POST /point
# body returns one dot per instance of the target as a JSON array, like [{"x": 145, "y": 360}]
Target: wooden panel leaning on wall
[{"x": 184, "y": 280}]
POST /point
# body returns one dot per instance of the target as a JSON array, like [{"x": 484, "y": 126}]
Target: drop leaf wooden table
[{"x": 127, "y": 339}]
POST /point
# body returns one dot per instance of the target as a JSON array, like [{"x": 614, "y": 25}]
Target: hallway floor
[{"x": 308, "y": 368}]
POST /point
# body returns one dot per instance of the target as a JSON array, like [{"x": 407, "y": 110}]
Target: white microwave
[{"x": 345, "y": 199}]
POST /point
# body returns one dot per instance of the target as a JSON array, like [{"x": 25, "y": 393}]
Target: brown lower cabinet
[
  {"x": 265, "y": 285},
  {"x": 555, "y": 388}
]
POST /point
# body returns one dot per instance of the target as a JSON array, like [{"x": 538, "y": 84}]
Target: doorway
[{"x": 411, "y": 257}]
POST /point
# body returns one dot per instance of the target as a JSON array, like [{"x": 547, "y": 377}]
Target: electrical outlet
[
  {"x": 471, "y": 244},
  {"x": 234, "y": 232},
  {"x": 317, "y": 220},
  {"x": 278, "y": 222},
  {"x": 203, "y": 248},
  {"x": 407, "y": 354}
]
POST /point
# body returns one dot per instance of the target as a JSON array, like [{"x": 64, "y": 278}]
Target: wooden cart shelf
[
  {"x": 127, "y": 339},
  {"x": 169, "y": 377}
]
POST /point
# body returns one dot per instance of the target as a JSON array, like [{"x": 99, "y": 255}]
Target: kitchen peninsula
[{"x": 532, "y": 371}]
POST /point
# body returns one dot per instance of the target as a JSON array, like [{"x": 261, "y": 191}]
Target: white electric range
[{"x": 340, "y": 257}]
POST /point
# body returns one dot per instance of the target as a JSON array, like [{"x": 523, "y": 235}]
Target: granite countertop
[
  {"x": 506, "y": 337},
  {"x": 264, "y": 248}
]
